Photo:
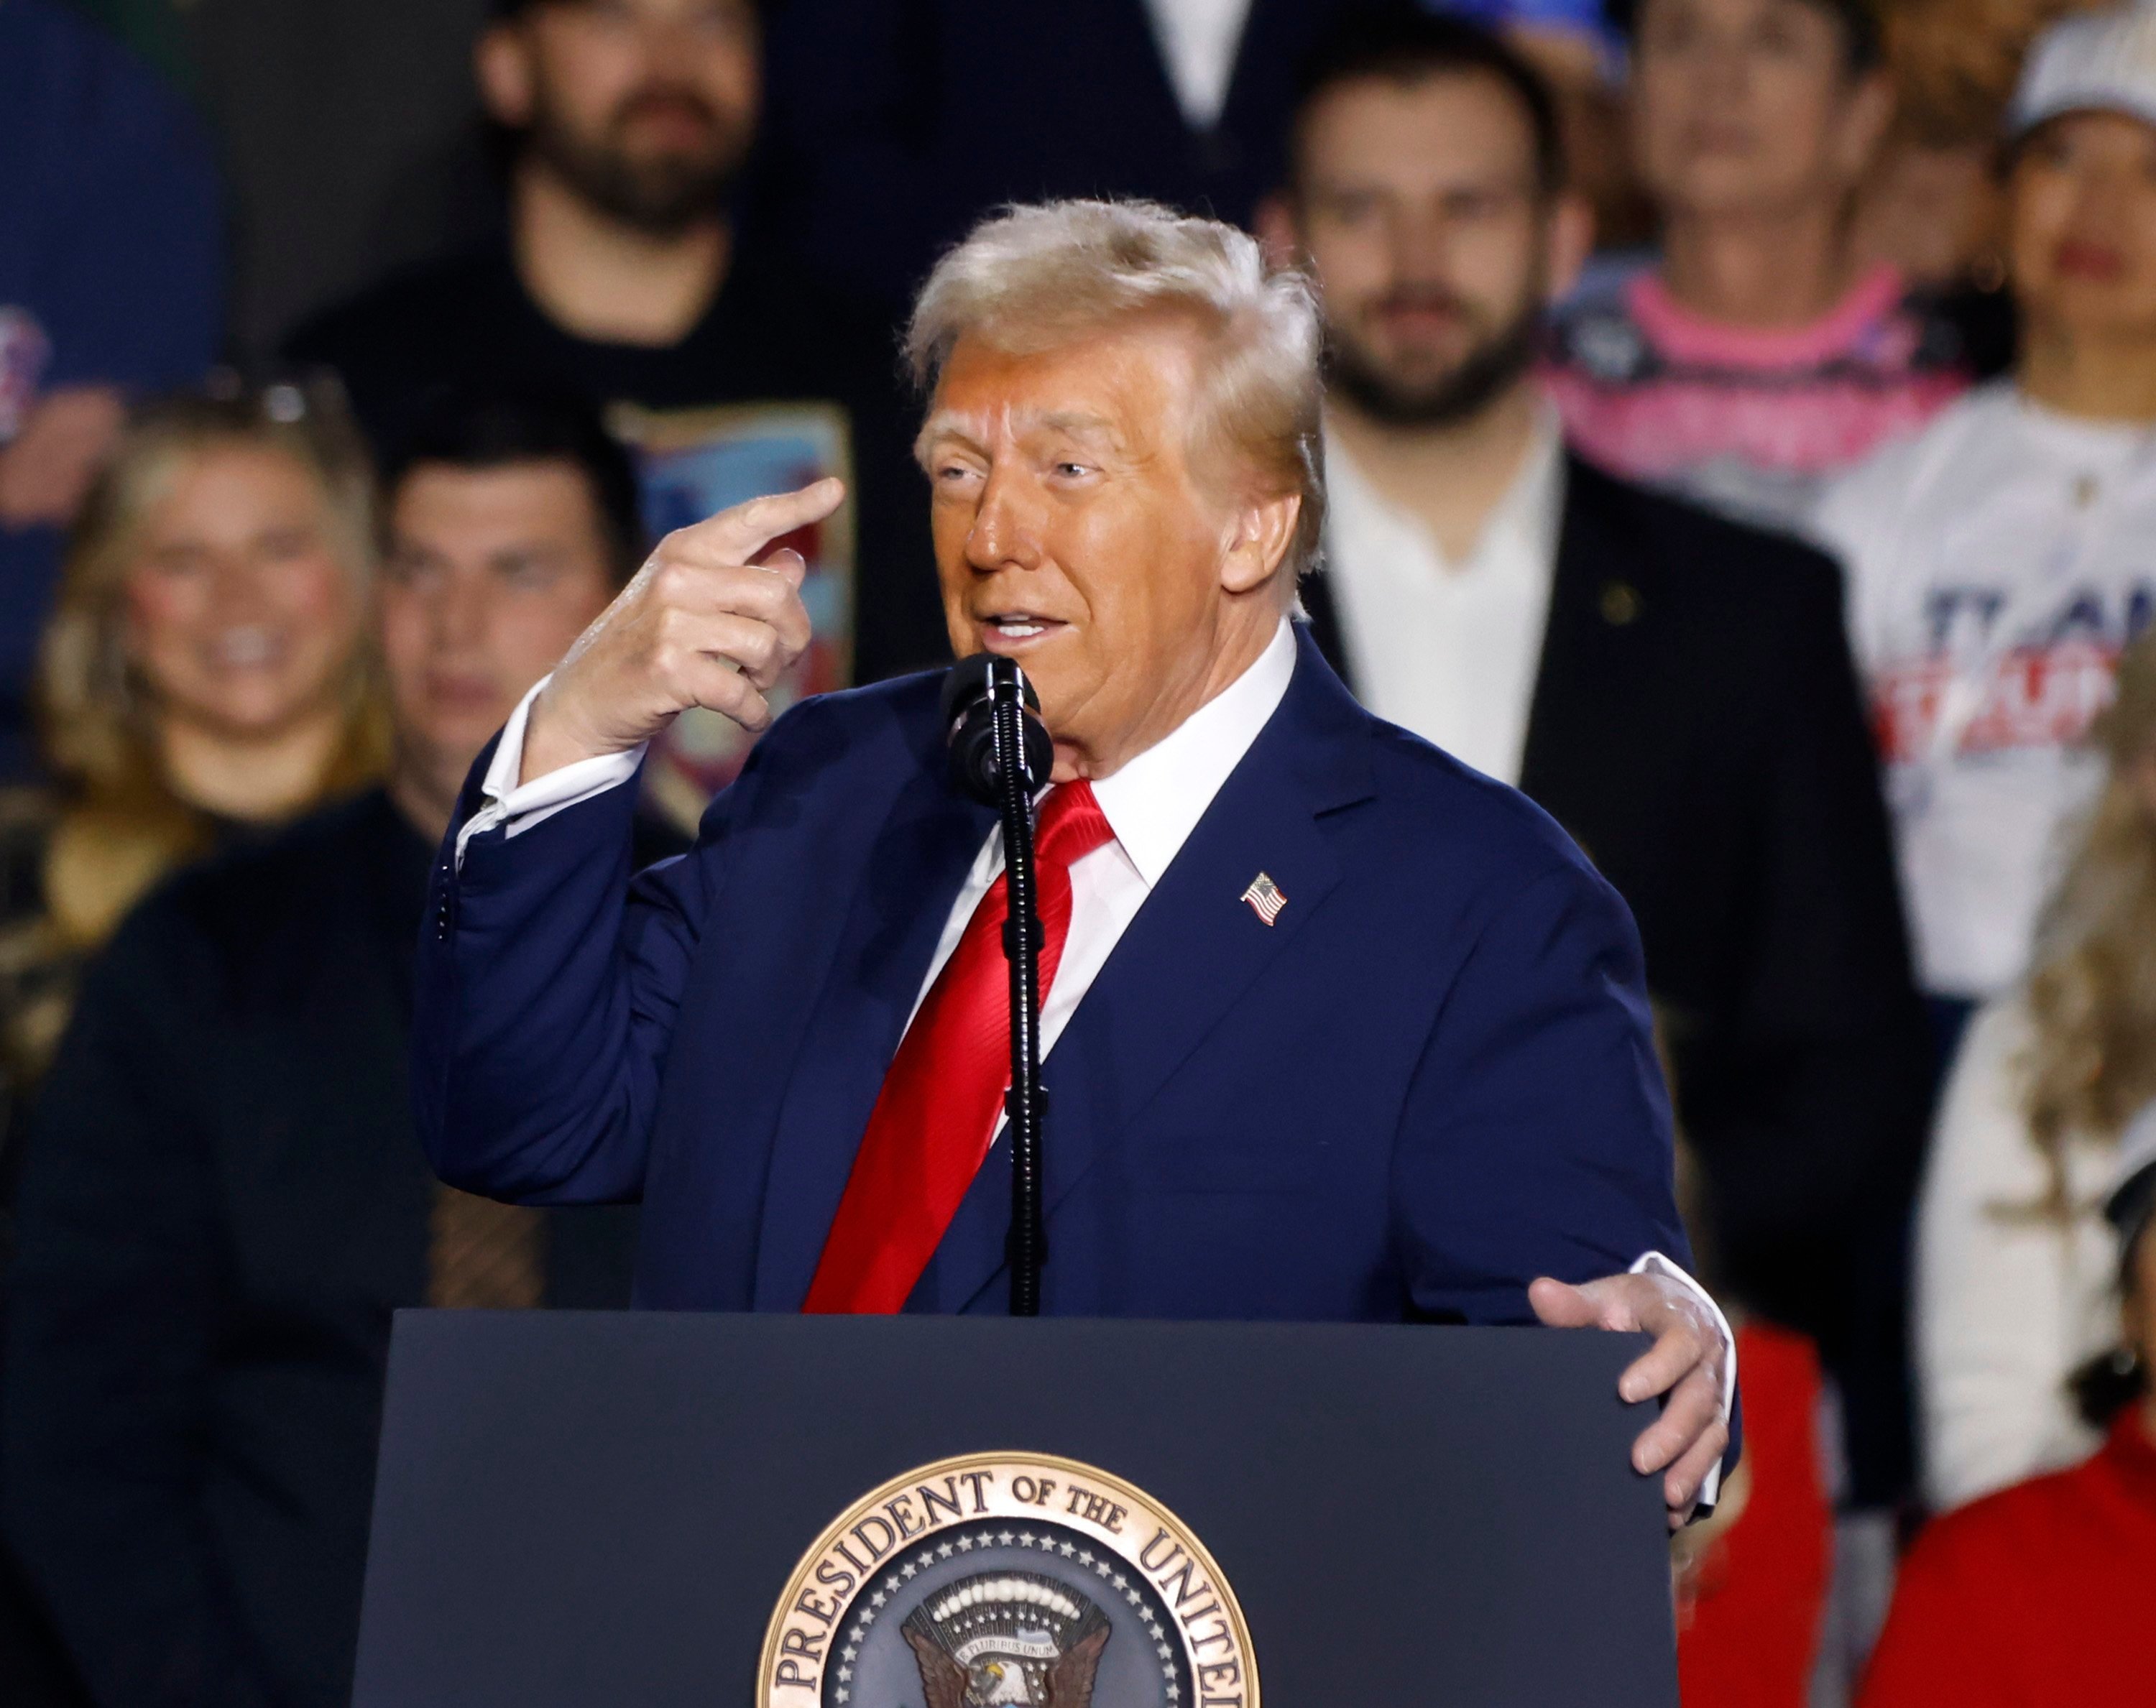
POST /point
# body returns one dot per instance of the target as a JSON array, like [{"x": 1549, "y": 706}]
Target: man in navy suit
[{"x": 1336, "y": 1029}]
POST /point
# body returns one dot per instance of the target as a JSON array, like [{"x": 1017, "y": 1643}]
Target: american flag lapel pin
[{"x": 1266, "y": 898}]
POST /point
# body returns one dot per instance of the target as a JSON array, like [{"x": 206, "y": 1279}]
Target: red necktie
[{"x": 941, "y": 1100}]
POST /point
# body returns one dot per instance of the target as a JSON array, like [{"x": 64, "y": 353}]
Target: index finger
[{"x": 735, "y": 536}]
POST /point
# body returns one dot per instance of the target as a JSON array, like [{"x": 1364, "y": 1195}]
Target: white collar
[
  {"x": 1155, "y": 801},
  {"x": 1528, "y": 510}
]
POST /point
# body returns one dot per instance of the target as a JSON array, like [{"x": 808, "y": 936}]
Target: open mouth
[
  {"x": 245, "y": 648},
  {"x": 1003, "y": 631}
]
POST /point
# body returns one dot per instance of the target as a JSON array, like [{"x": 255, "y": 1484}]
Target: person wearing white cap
[
  {"x": 2015, "y": 1264},
  {"x": 2037, "y": 1597},
  {"x": 1999, "y": 560}
]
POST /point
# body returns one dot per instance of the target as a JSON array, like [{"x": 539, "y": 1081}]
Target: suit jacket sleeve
[
  {"x": 117, "y": 1309},
  {"x": 1536, "y": 1140},
  {"x": 547, "y": 985},
  {"x": 1536, "y": 1137}
]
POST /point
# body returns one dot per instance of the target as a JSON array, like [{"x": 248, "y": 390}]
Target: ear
[
  {"x": 1571, "y": 242},
  {"x": 1263, "y": 530},
  {"x": 1275, "y": 225},
  {"x": 501, "y": 60},
  {"x": 1867, "y": 112}
]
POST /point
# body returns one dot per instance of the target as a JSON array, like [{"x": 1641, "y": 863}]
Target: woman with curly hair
[{"x": 2015, "y": 1264}]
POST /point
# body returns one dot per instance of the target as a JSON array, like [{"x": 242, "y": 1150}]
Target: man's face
[
  {"x": 492, "y": 574},
  {"x": 1749, "y": 106},
  {"x": 2082, "y": 227},
  {"x": 1420, "y": 206},
  {"x": 645, "y": 108},
  {"x": 1073, "y": 534}
]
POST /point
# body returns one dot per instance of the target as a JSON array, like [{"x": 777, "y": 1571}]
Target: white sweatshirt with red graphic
[{"x": 1998, "y": 563}]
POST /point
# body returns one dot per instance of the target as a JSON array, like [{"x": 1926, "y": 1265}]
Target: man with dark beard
[
  {"x": 1673, "y": 688},
  {"x": 621, "y": 275}
]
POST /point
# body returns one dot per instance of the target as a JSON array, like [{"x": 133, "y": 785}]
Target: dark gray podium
[{"x": 966, "y": 1512}]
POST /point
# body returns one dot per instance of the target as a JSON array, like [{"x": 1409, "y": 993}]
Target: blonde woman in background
[
  {"x": 2015, "y": 1266},
  {"x": 202, "y": 672}
]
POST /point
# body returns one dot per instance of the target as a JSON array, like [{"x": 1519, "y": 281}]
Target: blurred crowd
[{"x": 1741, "y": 434}]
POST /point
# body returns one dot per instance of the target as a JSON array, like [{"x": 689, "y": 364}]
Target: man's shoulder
[
  {"x": 888, "y": 726},
  {"x": 905, "y": 706},
  {"x": 1861, "y": 504},
  {"x": 1742, "y": 582},
  {"x": 1434, "y": 813}
]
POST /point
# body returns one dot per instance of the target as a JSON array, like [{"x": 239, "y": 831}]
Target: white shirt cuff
[
  {"x": 517, "y": 807},
  {"x": 1654, "y": 1263}
]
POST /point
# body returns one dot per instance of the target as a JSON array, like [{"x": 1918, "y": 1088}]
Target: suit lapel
[
  {"x": 1194, "y": 949},
  {"x": 910, "y": 878}
]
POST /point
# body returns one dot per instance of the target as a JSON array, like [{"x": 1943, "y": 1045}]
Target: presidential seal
[{"x": 1006, "y": 1578}]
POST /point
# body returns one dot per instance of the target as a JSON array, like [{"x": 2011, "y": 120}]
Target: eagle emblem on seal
[{"x": 1007, "y": 1638}]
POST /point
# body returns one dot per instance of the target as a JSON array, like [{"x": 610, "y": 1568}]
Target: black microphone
[
  {"x": 1001, "y": 754},
  {"x": 971, "y": 689}
]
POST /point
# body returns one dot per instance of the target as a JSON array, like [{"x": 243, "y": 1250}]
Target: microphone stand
[{"x": 1022, "y": 936}]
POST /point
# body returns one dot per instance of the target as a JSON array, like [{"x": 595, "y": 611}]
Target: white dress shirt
[
  {"x": 1198, "y": 42},
  {"x": 1449, "y": 650},
  {"x": 1152, "y": 804}
]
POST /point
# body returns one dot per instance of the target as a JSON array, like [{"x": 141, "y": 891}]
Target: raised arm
[{"x": 547, "y": 988}]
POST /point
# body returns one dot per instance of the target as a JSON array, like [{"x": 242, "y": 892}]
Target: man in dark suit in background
[
  {"x": 224, "y": 1198},
  {"x": 1675, "y": 689}
]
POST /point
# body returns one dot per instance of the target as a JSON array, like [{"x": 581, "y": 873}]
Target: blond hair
[
  {"x": 124, "y": 825},
  {"x": 2092, "y": 996},
  {"x": 1038, "y": 277}
]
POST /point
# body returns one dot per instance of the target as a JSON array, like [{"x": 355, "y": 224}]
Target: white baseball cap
[{"x": 2101, "y": 60}]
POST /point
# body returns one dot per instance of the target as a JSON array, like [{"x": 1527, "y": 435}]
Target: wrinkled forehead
[{"x": 1124, "y": 390}]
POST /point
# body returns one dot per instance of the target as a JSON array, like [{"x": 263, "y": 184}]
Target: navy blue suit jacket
[{"x": 1432, "y": 1080}]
